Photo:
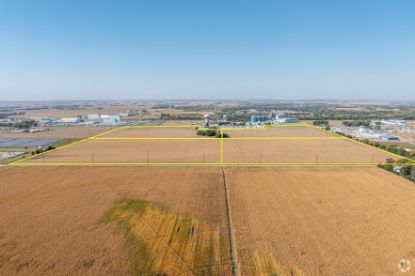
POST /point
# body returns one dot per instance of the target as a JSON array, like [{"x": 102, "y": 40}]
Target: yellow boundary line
[
  {"x": 216, "y": 139},
  {"x": 98, "y": 137},
  {"x": 64, "y": 146},
  {"x": 363, "y": 144},
  {"x": 155, "y": 138},
  {"x": 161, "y": 126},
  {"x": 215, "y": 163}
]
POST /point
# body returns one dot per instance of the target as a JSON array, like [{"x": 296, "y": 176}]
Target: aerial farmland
[
  {"x": 207, "y": 138},
  {"x": 281, "y": 200},
  {"x": 282, "y": 145}
]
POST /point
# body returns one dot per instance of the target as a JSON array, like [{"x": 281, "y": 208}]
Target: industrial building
[
  {"x": 389, "y": 137},
  {"x": 285, "y": 121},
  {"x": 272, "y": 118}
]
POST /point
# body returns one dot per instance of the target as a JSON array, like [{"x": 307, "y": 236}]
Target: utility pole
[{"x": 148, "y": 158}]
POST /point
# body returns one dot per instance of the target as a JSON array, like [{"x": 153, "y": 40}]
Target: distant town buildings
[{"x": 272, "y": 118}]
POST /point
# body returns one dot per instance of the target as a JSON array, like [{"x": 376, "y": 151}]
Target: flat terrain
[
  {"x": 337, "y": 221},
  {"x": 57, "y": 132},
  {"x": 314, "y": 151},
  {"x": 293, "y": 145},
  {"x": 279, "y": 131},
  {"x": 84, "y": 111},
  {"x": 51, "y": 222},
  {"x": 316, "y": 221},
  {"x": 153, "y": 132},
  {"x": 136, "y": 151}
]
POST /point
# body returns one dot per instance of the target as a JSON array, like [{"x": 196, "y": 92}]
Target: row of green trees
[
  {"x": 393, "y": 148},
  {"x": 365, "y": 123},
  {"x": 41, "y": 150},
  {"x": 406, "y": 169},
  {"x": 321, "y": 123},
  {"x": 212, "y": 133},
  {"x": 20, "y": 125}
]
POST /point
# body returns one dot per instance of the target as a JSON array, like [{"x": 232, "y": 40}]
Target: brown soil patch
[
  {"x": 179, "y": 132},
  {"x": 337, "y": 221},
  {"x": 282, "y": 131},
  {"x": 136, "y": 151},
  {"x": 313, "y": 151}
]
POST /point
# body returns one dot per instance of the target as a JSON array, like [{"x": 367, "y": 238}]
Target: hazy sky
[{"x": 276, "y": 49}]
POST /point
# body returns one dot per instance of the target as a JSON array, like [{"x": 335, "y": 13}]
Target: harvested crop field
[
  {"x": 55, "y": 221},
  {"x": 298, "y": 151},
  {"x": 57, "y": 132},
  {"x": 279, "y": 131},
  {"x": 143, "y": 151},
  {"x": 182, "y": 145},
  {"x": 118, "y": 220},
  {"x": 338, "y": 221},
  {"x": 153, "y": 132}
]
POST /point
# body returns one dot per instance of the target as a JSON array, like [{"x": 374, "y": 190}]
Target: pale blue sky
[{"x": 276, "y": 49}]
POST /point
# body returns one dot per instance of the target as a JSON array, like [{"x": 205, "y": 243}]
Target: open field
[
  {"x": 57, "y": 132},
  {"x": 52, "y": 220},
  {"x": 311, "y": 221},
  {"x": 279, "y": 131},
  {"x": 309, "y": 151},
  {"x": 82, "y": 110},
  {"x": 337, "y": 221},
  {"x": 153, "y": 132},
  {"x": 143, "y": 111},
  {"x": 142, "y": 151},
  {"x": 147, "y": 145}
]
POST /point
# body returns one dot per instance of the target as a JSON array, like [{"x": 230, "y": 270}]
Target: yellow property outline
[{"x": 221, "y": 163}]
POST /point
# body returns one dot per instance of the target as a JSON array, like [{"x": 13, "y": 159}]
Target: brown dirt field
[
  {"x": 136, "y": 151},
  {"x": 339, "y": 150},
  {"x": 57, "y": 132},
  {"x": 154, "y": 133},
  {"x": 279, "y": 132},
  {"x": 51, "y": 217},
  {"x": 338, "y": 221}
]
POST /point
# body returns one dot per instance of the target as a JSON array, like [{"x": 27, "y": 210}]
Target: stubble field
[
  {"x": 131, "y": 151},
  {"x": 51, "y": 222},
  {"x": 283, "y": 145},
  {"x": 305, "y": 221},
  {"x": 109, "y": 220},
  {"x": 337, "y": 221},
  {"x": 298, "y": 151}
]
